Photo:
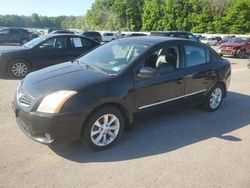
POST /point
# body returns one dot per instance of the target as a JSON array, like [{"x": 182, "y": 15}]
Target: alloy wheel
[
  {"x": 19, "y": 69},
  {"x": 215, "y": 98},
  {"x": 105, "y": 130}
]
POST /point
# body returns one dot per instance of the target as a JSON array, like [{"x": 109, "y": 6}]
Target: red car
[{"x": 236, "y": 47}]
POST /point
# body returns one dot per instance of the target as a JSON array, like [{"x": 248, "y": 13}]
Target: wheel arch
[
  {"x": 127, "y": 117},
  {"x": 18, "y": 58},
  {"x": 224, "y": 87}
]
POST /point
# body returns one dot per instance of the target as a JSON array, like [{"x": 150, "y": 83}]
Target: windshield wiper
[{"x": 91, "y": 68}]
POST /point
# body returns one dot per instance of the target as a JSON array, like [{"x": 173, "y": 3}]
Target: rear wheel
[
  {"x": 214, "y": 98},
  {"x": 18, "y": 68},
  {"x": 103, "y": 128}
]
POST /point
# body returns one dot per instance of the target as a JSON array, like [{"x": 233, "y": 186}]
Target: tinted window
[
  {"x": 60, "y": 42},
  {"x": 182, "y": 35},
  {"x": 195, "y": 55},
  {"x": 15, "y": 32},
  {"x": 86, "y": 42}
]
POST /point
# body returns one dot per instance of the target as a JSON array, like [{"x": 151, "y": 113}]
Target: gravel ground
[{"x": 188, "y": 148}]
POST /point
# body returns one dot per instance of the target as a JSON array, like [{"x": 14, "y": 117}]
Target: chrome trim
[{"x": 169, "y": 100}]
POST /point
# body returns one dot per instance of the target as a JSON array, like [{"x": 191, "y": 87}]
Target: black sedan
[
  {"x": 43, "y": 52},
  {"x": 98, "y": 95}
]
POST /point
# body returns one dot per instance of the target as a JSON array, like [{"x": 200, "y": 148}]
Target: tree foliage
[{"x": 201, "y": 16}]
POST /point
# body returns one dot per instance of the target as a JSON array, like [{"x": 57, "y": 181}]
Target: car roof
[
  {"x": 64, "y": 34},
  {"x": 170, "y": 32},
  {"x": 153, "y": 39}
]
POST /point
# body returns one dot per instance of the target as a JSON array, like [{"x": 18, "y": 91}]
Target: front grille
[{"x": 23, "y": 98}]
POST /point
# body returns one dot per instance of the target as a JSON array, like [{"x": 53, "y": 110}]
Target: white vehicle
[
  {"x": 107, "y": 37},
  {"x": 210, "y": 41}
]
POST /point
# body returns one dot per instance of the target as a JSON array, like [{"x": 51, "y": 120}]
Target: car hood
[
  {"x": 11, "y": 49},
  {"x": 231, "y": 45},
  {"x": 65, "y": 76}
]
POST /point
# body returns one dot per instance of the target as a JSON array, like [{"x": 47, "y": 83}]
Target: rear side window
[
  {"x": 196, "y": 55},
  {"x": 76, "y": 42}
]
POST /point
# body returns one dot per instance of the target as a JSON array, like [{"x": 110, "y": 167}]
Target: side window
[
  {"x": 14, "y": 32},
  {"x": 182, "y": 35},
  {"x": 196, "y": 55},
  {"x": 4, "y": 31},
  {"x": 165, "y": 60},
  {"x": 191, "y": 37},
  {"x": 55, "y": 43},
  {"x": 76, "y": 42},
  {"x": 86, "y": 42}
]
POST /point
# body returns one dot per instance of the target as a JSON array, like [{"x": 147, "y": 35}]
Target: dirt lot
[{"x": 189, "y": 148}]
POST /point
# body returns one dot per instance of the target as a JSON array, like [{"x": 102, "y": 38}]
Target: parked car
[
  {"x": 177, "y": 34},
  {"x": 34, "y": 34},
  {"x": 219, "y": 40},
  {"x": 94, "y": 35},
  {"x": 97, "y": 96},
  {"x": 43, "y": 52},
  {"x": 107, "y": 37},
  {"x": 135, "y": 35},
  {"x": 14, "y": 35},
  {"x": 62, "y": 31},
  {"x": 236, "y": 47},
  {"x": 211, "y": 41}
]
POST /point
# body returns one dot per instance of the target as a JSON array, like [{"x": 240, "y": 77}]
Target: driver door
[
  {"x": 50, "y": 52},
  {"x": 164, "y": 90}
]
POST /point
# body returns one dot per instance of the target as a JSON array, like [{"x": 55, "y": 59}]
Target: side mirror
[{"x": 147, "y": 72}]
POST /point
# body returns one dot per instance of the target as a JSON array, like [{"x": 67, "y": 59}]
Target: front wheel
[
  {"x": 242, "y": 54},
  {"x": 214, "y": 98},
  {"x": 18, "y": 68},
  {"x": 103, "y": 128}
]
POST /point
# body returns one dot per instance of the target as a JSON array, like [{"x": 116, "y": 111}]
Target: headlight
[{"x": 54, "y": 102}]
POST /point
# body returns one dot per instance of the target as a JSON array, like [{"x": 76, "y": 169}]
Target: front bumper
[{"x": 57, "y": 129}]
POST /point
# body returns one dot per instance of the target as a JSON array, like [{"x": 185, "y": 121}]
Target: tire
[
  {"x": 23, "y": 41},
  {"x": 242, "y": 54},
  {"x": 214, "y": 98},
  {"x": 18, "y": 68},
  {"x": 98, "y": 135}
]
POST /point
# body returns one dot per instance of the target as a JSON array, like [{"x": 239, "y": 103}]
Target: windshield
[
  {"x": 35, "y": 42},
  {"x": 236, "y": 40},
  {"x": 113, "y": 57}
]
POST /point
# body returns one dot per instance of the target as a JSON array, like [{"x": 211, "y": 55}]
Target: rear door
[
  {"x": 15, "y": 35},
  {"x": 199, "y": 69},
  {"x": 77, "y": 46}
]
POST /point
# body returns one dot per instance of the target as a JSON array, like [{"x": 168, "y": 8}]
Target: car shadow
[
  {"x": 6, "y": 77},
  {"x": 169, "y": 132},
  {"x": 9, "y": 44}
]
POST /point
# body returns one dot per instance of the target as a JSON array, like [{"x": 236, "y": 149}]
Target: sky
[{"x": 45, "y": 7}]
